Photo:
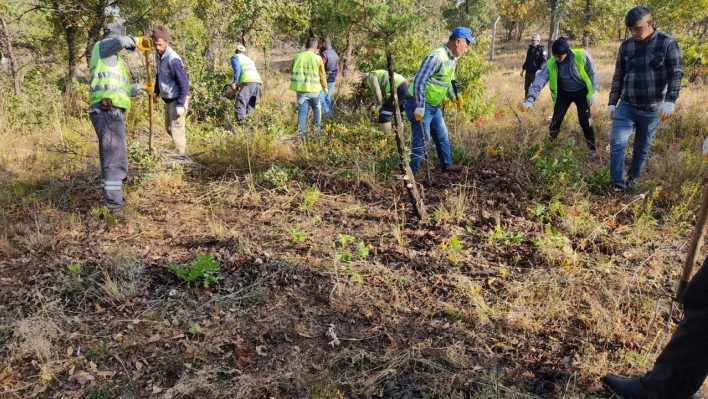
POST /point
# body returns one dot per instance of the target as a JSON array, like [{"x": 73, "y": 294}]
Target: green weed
[
  {"x": 296, "y": 235},
  {"x": 277, "y": 176},
  {"x": 309, "y": 197},
  {"x": 203, "y": 268}
]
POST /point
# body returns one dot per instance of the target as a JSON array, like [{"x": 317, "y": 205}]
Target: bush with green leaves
[{"x": 203, "y": 268}]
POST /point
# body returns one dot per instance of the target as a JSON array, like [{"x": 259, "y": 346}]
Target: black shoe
[
  {"x": 453, "y": 169},
  {"x": 628, "y": 388},
  {"x": 617, "y": 190}
]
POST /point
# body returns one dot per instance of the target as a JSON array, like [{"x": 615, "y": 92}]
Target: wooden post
[
  {"x": 494, "y": 38},
  {"x": 151, "y": 105},
  {"x": 695, "y": 248},
  {"x": 408, "y": 177}
]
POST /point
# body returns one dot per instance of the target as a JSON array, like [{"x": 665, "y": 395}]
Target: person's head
[
  {"x": 639, "y": 23},
  {"x": 535, "y": 39},
  {"x": 327, "y": 42},
  {"x": 560, "y": 49},
  {"x": 160, "y": 38},
  {"x": 311, "y": 44},
  {"x": 113, "y": 30},
  {"x": 240, "y": 49},
  {"x": 459, "y": 41}
]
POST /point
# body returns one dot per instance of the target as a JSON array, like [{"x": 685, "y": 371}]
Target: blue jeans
[
  {"x": 327, "y": 100},
  {"x": 433, "y": 125},
  {"x": 644, "y": 121},
  {"x": 305, "y": 101}
]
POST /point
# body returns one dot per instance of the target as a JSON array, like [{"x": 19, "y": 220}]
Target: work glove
[
  {"x": 418, "y": 113},
  {"x": 143, "y": 43},
  {"x": 522, "y": 73},
  {"x": 234, "y": 86},
  {"x": 666, "y": 111},
  {"x": 458, "y": 101},
  {"x": 611, "y": 112},
  {"x": 591, "y": 100},
  {"x": 148, "y": 87},
  {"x": 376, "y": 109},
  {"x": 525, "y": 107},
  {"x": 325, "y": 92},
  {"x": 181, "y": 111}
]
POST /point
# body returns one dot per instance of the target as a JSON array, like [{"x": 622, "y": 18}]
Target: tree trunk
[
  {"x": 408, "y": 177},
  {"x": 96, "y": 30},
  {"x": 244, "y": 39},
  {"x": 587, "y": 16},
  {"x": 555, "y": 21},
  {"x": 348, "y": 52},
  {"x": 10, "y": 54}
]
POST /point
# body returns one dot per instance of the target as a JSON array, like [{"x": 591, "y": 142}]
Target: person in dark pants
[
  {"x": 535, "y": 58},
  {"x": 380, "y": 86},
  {"x": 572, "y": 78},
  {"x": 247, "y": 78},
  {"x": 109, "y": 100},
  {"x": 682, "y": 366},
  {"x": 331, "y": 65}
]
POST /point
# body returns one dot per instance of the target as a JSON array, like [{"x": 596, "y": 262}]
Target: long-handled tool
[
  {"x": 151, "y": 90},
  {"x": 425, "y": 154},
  {"x": 454, "y": 90}
]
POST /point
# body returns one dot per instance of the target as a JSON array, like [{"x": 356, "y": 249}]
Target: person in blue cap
[{"x": 431, "y": 85}]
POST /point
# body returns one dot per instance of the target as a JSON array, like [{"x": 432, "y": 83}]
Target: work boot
[
  {"x": 385, "y": 127},
  {"x": 453, "y": 169},
  {"x": 592, "y": 154},
  {"x": 628, "y": 388}
]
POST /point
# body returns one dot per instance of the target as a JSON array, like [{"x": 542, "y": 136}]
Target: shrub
[{"x": 203, "y": 268}]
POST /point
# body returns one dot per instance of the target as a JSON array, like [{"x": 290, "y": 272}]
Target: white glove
[
  {"x": 705, "y": 148},
  {"x": 180, "y": 111},
  {"x": 418, "y": 113},
  {"x": 666, "y": 111},
  {"x": 591, "y": 100},
  {"x": 611, "y": 112},
  {"x": 526, "y": 106}
]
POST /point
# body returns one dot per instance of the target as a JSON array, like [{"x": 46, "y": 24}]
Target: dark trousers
[
  {"x": 682, "y": 366},
  {"x": 246, "y": 100},
  {"x": 110, "y": 129},
  {"x": 528, "y": 81},
  {"x": 388, "y": 106},
  {"x": 563, "y": 102}
]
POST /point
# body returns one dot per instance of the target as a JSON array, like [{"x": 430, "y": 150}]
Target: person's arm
[
  {"x": 180, "y": 77},
  {"x": 527, "y": 60},
  {"x": 323, "y": 55},
  {"x": 430, "y": 65},
  {"x": 336, "y": 71},
  {"x": 538, "y": 83},
  {"x": 376, "y": 89},
  {"x": 590, "y": 69},
  {"x": 114, "y": 45},
  {"x": 323, "y": 75},
  {"x": 541, "y": 59},
  {"x": 674, "y": 72},
  {"x": 617, "y": 77},
  {"x": 237, "y": 69}
]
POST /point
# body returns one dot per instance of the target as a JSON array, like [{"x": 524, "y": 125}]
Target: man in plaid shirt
[{"x": 646, "y": 84}]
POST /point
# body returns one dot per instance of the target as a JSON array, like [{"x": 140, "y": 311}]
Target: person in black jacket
[{"x": 535, "y": 58}]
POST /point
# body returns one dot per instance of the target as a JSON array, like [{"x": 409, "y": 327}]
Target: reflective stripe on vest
[
  {"x": 305, "y": 77},
  {"x": 249, "y": 73},
  {"x": 437, "y": 87},
  {"x": 108, "y": 82},
  {"x": 553, "y": 74},
  {"x": 385, "y": 82}
]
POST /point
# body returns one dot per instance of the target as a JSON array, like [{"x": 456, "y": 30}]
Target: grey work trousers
[
  {"x": 246, "y": 100},
  {"x": 175, "y": 124},
  {"x": 110, "y": 129}
]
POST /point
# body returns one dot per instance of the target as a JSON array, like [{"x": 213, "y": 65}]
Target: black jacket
[{"x": 535, "y": 58}]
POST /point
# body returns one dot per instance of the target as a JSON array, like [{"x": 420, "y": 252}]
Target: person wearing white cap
[
  {"x": 247, "y": 79},
  {"x": 536, "y": 56}
]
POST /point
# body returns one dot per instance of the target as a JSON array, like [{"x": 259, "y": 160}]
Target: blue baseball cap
[{"x": 463, "y": 33}]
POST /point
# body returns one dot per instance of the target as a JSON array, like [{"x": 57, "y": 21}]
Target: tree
[{"x": 8, "y": 48}]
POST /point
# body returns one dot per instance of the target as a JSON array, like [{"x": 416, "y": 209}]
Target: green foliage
[
  {"x": 203, "y": 268},
  {"x": 96, "y": 353},
  {"x": 195, "y": 329},
  {"x": 345, "y": 252},
  {"x": 497, "y": 234},
  {"x": 277, "y": 176},
  {"x": 309, "y": 197},
  {"x": 74, "y": 267},
  {"x": 99, "y": 393},
  {"x": 141, "y": 162},
  {"x": 694, "y": 56},
  {"x": 296, "y": 235},
  {"x": 206, "y": 101},
  {"x": 355, "y": 277}
]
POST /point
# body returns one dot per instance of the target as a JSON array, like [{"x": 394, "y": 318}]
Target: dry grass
[{"x": 36, "y": 337}]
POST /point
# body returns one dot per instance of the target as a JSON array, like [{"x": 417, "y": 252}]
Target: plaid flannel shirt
[
  {"x": 647, "y": 73},
  {"x": 431, "y": 65}
]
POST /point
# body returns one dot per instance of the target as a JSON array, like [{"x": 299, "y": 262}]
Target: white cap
[
  {"x": 241, "y": 48},
  {"x": 536, "y": 36}
]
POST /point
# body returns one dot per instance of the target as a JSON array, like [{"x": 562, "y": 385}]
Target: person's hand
[
  {"x": 148, "y": 87},
  {"x": 522, "y": 73},
  {"x": 181, "y": 111},
  {"x": 155, "y": 98},
  {"x": 611, "y": 112},
  {"x": 591, "y": 100},
  {"x": 143, "y": 43},
  {"x": 525, "y": 107},
  {"x": 459, "y": 101},
  {"x": 666, "y": 111},
  {"x": 326, "y": 92},
  {"x": 234, "y": 86},
  {"x": 418, "y": 113}
]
